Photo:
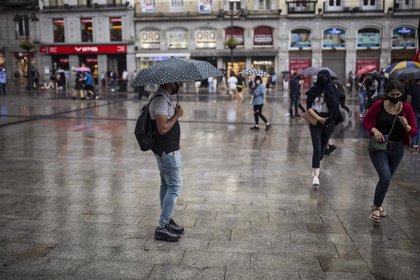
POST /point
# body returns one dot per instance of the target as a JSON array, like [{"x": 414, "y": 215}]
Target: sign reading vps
[
  {"x": 85, "y": 49},
  {"x": 150, "y": 39},
  {"x": 205, "y": 38}
]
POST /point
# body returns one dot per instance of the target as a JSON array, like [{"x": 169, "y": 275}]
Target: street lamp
[
  {"x": 241, "y": 12},
  {"x": 27, "y": 45}
]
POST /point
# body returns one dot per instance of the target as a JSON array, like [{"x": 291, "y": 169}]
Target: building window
[
  {"x": 86, "y": 28},
  {"x": 115, "y": 29},
  {"x": 58, "y": 27},
  {"x": 177, "y": 6},
  {"x": 264, "y": 4},
  {"x": 22, "y": 28}
]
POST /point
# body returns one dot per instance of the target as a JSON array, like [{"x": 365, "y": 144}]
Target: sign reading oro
[
  {"x": 150, "y": 39},
  {"x": 205, "y": 38}
]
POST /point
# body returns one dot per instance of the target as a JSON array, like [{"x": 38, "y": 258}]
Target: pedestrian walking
[
  {"x": 165, "y": 115},
  {"x": 3, "y": 81},
  {"x": 258, "y": 104},
  {"x": 294, "y": 95},
  {"x": 322, "y": 104},
  {"x": 351, "y": 81},
  {"x": 197, "y": 86},
  {"x": 273, "y": 80},
  {"x": 414, "y": 100},
  {"x": 362, "y": 95},
  {"x": 240, "y": 88},
  {"x": 210, "y": 84},
  {"x": 233, "y": 85},
  {"x": 78, "y": 88},
  {"x": 390, "y": 122},
  {"x": 52, "y": 82},
  {"x": 89, "y": 87},
  {"x": 342, "y": 95},
  {"x": 215, "y": 84}
]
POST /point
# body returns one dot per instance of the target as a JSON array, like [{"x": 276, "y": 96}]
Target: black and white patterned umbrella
[
  {"x": 256, "y": 72},
  {"x": 176, "y": 69}
]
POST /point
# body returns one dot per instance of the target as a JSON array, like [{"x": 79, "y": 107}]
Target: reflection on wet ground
[{"x": 79, "y": 200}]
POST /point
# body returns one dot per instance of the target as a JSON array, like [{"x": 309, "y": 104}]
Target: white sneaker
[{"x": 315, "y": 181}]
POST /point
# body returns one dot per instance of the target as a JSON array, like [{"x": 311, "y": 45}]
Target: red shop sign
[
  {"x": 237, "y": 33},
  {"x": 263, "y": 36},
  {"x": 298, "y": 65},
  {"x": 84, "y": 49}
]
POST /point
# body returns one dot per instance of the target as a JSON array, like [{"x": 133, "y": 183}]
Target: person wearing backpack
[{"x": 164, "y": 115}]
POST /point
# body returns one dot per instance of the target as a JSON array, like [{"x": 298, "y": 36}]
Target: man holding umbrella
[{"x": 165, "y": 115}]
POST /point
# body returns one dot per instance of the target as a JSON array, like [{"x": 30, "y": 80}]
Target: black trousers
[
  {"x": 258, "y": 114},
  {"x": 320, "y": 135}
]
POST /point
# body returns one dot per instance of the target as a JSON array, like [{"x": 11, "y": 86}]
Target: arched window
[
  {"x": 404, "y": 37},
  {"x": 334, "y": 38},
  {"x": 300, "y": 39},
  {"x": 236, "y": 33},
  {"x": 150, "y": 38},
  {"x": 205, "y": 38},
  {"x": 263, "y": 36},
  {"x": 177, "y": 38}
]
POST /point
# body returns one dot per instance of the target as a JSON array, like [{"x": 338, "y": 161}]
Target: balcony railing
[
  {"x": 378, "y": 7},
  {"x": 93, "y": 6},
  {"x": 301, "y": 7},
  {"x": 406, "y": 6}
]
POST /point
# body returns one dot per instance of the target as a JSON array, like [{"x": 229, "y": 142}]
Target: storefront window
[
  {"x": 334, "y": 38},
  {"x": 300, "y": 39},
  {"x": 60, "y": 62},
  {"x": 205, "y": 38},
  {"x": 404, "y": 37},
  {"x": 86, "y": 26},
  {"x": 263, "y": 36},
  {"x": 236, "y": 33},
  {"x": 115, "y": 24},
  {"x": 177, "y": 38},
  {"x": 150, "y": 39},
  {"x": 264, "y": 63},
  {"x": 369, "y": 38},
  {"x": 58, "y": 28}
]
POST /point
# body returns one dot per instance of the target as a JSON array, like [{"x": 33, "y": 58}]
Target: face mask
[
  {"x": 323, "y": 80},
  {"x": 394, "y": 100}
]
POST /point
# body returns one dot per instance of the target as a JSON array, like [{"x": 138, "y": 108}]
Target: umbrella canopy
[
  {"x": 253, "y": 71},
  {"x": 313, "y": 71},
  {"x": 406, "y": 73},
  {"x": 176, "y": 69},
  {"x": 401, "y": 65},
  {"x": 366, "y": 69}
]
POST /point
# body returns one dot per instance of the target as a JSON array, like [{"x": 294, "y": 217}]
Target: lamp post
[
  {"x": 241, "y": 12},
  {"x": 27, "y": 44}
]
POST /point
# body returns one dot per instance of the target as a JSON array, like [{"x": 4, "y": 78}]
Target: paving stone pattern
[{"x": 79, "y": 200}]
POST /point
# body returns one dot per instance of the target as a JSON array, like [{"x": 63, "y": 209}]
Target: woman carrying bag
[
  {"x": 258, "y": 104},
  {"x": 323, "y": 106},
  {"x": 391, "y": 123}
]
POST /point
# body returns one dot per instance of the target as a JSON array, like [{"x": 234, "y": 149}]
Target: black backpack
[{"x": 144, "y": 130}]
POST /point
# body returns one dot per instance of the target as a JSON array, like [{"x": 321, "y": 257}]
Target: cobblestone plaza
[{"x": 79, "y": 200}]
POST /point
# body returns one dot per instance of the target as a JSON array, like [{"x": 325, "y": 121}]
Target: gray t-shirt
[{"x": 161, "y": 105}]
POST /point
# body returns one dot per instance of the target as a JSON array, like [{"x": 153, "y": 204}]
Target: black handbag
[{"x": 380, "y": 146}]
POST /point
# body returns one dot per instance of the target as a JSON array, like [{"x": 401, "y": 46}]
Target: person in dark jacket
[
  {"x": 322, "y": 104},
  {"x": 294, "y": 88},
  {"x": 391, "y": 121},
  {"x": 414, "y": 100}
]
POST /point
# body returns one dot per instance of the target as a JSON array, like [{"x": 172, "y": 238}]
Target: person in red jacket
[{"x": 393, "y": 121}]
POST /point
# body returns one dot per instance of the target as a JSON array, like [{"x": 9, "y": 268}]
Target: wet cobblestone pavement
[{"x": 79, "y": 200}]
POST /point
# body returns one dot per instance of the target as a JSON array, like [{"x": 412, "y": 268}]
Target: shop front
[
  {"x": 21, "y": 65},
  {"x": 404, "y": 43},
  {"x": 334, "y": 54},
  {"x": 299, "y": 64},
  {"x": 99, "y": 58},
  {"x": 234, "y": 63}
]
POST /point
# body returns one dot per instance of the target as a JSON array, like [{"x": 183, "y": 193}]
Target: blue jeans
[
  {"x": 170, "y": 183},
  {"x": 416, "y": 139},
  {"x": 362, "y": 101},
  {"x": 385, "y": 163}
]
